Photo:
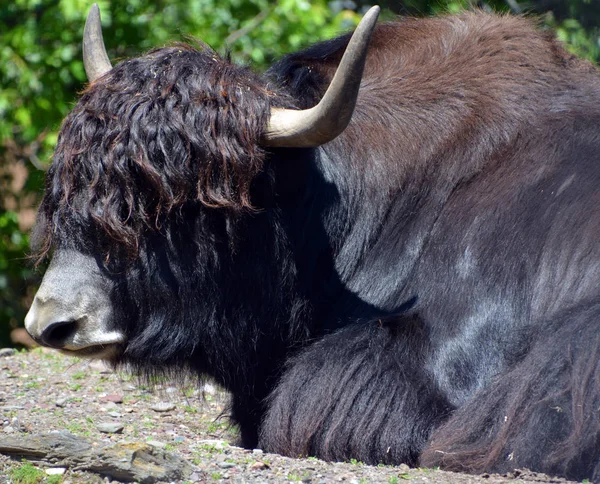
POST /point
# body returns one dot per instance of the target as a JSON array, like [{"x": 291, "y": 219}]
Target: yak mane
[{"x": 177, "y": 125}]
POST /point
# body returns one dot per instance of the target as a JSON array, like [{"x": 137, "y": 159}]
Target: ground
[{"x": 44, "y": 392}]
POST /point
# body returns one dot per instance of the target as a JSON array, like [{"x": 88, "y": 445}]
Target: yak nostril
[{"x": 56, "y": 334}]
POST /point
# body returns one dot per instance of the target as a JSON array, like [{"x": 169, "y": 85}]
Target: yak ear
[
  {"x": 323, "y": 122},
  {"x": 95, "y": 58}
]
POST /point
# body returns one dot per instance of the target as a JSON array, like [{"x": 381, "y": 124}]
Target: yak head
[{"x": 153, "y": 174}]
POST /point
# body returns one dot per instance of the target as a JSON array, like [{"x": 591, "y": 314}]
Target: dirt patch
[{"x": 43, "y": 392}]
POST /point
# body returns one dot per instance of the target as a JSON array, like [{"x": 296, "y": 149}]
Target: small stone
[
  {"x": 127, "y": 409},
  {"x": 163, "y": 407},
  {"x": 179, "y": 439},
  {"x": 257, "y": 466},
  {"x": 115, "y": 414},
  {"x": 101, "y": 366},
  {"x": 208, "y": 388},
  {"x": 56, "y": 471},
  {"x": 110, "y": 427},
  {"x": 113, "y": 397},
  {"x": 217, "y": 444},
  {"x": 61, "y": 402},
  {"x": 129, "y": 387},
  {"x": 403, "y": 468},
  {"x": 157, "y": 444},
  {"x": 226, "y": 465},
  {"x": 8, "y": 429},
  {"x": 194, "y": 476},
  {"x": 257, "y": 451},
  {"x": 4, "y": 352}
]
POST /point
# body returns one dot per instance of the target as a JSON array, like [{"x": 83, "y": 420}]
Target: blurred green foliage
[
  {"x": 15, "y": 274},
  {"x": 41, "y": 72}
]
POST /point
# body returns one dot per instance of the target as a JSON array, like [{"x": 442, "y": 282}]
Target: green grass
[
  {"x": 212, "y": 448},
  {"x": 26, "y": 474},
  {"x": 215, "y": 426},
  {"x": 80, "y": 375}
]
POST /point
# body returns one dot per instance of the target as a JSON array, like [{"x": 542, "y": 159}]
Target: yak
[{"x": 386, "y": 246}]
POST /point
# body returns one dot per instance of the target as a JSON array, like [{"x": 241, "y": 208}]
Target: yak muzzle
[{"x": 72, "y": 310}]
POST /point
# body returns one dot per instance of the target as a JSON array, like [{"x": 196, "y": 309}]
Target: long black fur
[
  {"x": 335, "y": 383},
  {"x": 422, "y": 289}
]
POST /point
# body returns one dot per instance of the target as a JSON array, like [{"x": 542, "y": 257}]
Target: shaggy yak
[{"x": 391, "y": 256}]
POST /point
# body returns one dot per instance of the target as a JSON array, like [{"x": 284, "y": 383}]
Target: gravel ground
[{"x": 42, "y": 391}]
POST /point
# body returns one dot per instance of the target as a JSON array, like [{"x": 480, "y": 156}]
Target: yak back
[{"x": 465, "y": 186}]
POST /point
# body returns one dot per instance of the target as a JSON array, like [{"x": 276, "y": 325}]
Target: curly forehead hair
[{"x": 178, "y": 124}]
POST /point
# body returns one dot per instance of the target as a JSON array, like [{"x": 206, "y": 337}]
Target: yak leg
[
  {"x": 543, "y": 414},
  {"x": 246, "y": 413},
  {"x": 359, "y": 393}
]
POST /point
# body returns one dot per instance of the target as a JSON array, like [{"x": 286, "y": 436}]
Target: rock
[
  {"x": 226, "y": 465},
  {"x": 8, "y": 429},
  {"x": 113, "y": 397},
  {"x": 217, "y": 444},
  {"x": 257, "y": 466},
  {"x": 110, "y": 427},
  {"x": 156, "y": 443},
  {"x": 163, "y": 407},
  {"x": 126, "y": 462},
  {"x": 403, "y": 468},
  {"x": 56, "y": 471},
  {"x": 208, "y": 388},
  {"x": 61, "y": 402},
  {"x": 139, "y": 462},
  {"x": 115, "y": 414},
  {"x": 257, "y": 451},
  {"x": 101, "y": 366},
  {"x": 4, "y": 352},
  {"x": 59, "y": 445}
]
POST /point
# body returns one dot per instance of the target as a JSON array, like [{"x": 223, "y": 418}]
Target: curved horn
[
  {"x": 323, "y": 122},
  {"x": 95, "y": 58}
]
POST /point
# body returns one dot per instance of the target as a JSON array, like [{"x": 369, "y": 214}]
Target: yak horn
[
  {"x": 95, "y": 58},
  {"x": 323, "y": 122}
]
